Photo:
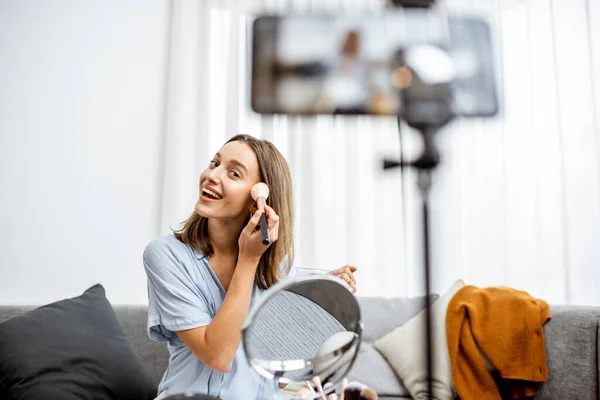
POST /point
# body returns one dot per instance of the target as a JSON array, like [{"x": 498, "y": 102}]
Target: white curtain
[{"x": 515, "y": 201}]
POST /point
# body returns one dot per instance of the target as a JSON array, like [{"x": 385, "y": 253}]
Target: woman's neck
[{"x": 223, "y": 236}]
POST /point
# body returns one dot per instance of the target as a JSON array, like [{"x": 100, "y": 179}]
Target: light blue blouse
[{"x": 184, "y": 293}]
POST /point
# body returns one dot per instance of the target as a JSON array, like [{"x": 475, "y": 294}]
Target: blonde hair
[{"x": 275, "y": 172}]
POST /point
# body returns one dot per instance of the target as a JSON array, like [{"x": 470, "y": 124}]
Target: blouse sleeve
[{"x": 175, "y": 301}]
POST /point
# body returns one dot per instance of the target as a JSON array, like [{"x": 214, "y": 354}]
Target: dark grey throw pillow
[{"x": 73, "y": 349}]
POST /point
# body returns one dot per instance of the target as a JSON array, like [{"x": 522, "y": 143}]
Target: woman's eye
[
  {"x": 234, "y": 174},
  {"x": 214, "y": 163}
]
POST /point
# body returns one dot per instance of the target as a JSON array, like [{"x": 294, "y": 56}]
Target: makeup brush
[
  {"x": 332, "y": 395},
  {"x": 260, "y": 193},
  {"x": 344, "y": 384},
  {"x": 359, "y": 391},
  {"x": 317, "y": 381}
]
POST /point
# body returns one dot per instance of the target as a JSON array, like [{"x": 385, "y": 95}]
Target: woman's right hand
[{"x": 250, "y": 241}]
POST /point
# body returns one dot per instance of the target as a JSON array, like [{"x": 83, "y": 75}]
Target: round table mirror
[{"x": 304, "y": 332}]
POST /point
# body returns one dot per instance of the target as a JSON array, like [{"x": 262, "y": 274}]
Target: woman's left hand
[{"x": 346, "y": 273}]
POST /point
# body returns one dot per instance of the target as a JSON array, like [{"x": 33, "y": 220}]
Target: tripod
[{"x": 424, "y": 164}]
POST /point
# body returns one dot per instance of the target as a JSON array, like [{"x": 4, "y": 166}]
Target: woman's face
[{"x": 225, "y": 185}]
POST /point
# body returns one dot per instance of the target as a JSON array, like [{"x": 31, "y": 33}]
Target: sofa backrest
[
  {"x": 572, "y": 341},
  {"x": 379, "y": 316}
]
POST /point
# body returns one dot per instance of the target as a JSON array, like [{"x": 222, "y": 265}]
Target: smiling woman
[
  {"x": 224, "y": 198},
  {"x": 203, "y": 279}
]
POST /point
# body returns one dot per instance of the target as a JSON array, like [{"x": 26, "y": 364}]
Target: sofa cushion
[
  {"x": 572, "y": 353},
  {"x": 405, "y": 349},
  {"x": 71, "y": 349}
]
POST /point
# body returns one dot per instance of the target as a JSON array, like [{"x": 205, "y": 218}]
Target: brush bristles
[{"x": 259, "y": 190}]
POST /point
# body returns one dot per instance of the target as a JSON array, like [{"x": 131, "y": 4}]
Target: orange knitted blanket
[{"x": 506, "y": 325}]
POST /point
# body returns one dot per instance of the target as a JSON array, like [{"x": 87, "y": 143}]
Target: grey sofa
[{"x": 572, "y": 344}]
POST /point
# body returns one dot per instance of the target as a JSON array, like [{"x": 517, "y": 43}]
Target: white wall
[{"x": 81, "y": 117}]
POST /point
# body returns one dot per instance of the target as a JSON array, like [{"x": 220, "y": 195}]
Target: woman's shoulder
[
  {"x": 164, "y": 242},
  {"x": 169, "y": 246}
]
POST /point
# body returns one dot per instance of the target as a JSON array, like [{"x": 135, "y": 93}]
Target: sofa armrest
[{"x": 572, "y": 343}]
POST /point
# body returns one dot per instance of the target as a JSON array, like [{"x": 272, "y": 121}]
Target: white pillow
[{"x": 405, "y": 349}]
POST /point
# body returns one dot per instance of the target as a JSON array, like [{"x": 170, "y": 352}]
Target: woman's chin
[
  {"x": 201, "y": 210},
  {"x": 221, "y": 212},
  {"x": 208, "y": 211}
]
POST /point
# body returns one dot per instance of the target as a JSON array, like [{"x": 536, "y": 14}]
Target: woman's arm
[{"x": 216, "y": 344}]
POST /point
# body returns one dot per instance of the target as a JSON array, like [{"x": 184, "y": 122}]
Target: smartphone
[{"x": 361, "y": 64}]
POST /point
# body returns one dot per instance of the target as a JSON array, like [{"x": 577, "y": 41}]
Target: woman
[{"x": 203, "y": 279}]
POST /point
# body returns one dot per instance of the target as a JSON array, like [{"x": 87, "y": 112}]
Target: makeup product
[
  {"x": 310, "y": 387},
  {"x": 260, "y": 193},
  {"x": 305, "y": 394},
  {"x": 332, "y": 395},
  {"x": 359, "y": 391},
  {"x": 344, "y": 384},
  {"x": 317, "y": 381}
]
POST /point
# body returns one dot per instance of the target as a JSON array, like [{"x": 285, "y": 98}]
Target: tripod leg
[{"x": 424, "y": 188}]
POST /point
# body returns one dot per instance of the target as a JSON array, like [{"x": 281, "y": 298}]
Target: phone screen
[{"x": 355, "y": 64}]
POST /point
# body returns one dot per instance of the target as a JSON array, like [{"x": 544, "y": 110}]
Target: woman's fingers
[
  {"x": 349, "y": 280},
  {"x": 272, "y": 217},
  {"x": 249, "y": 242},
  {"x": 252, "y": 223},
  {"x": 346, "y": 273},
  {"x": 274, "y": 232},
  {"x": 348, "y": 270},
  {"x": 273, "y": 223}
]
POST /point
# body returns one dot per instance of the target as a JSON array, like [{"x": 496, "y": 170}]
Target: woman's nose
[{"x": 214, "y": 175}]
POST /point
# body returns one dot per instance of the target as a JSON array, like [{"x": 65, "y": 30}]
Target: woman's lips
[{"x": 205, "y": 198}]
